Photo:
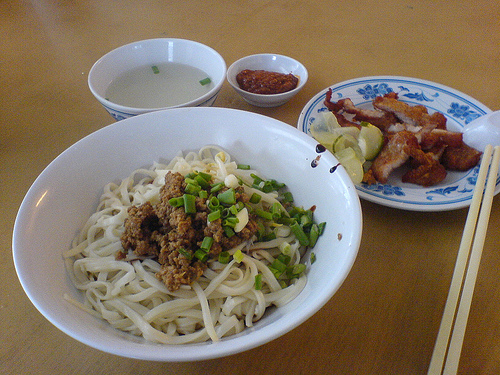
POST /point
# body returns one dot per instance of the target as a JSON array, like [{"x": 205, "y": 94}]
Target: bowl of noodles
[{"x": 186, "y": 234}]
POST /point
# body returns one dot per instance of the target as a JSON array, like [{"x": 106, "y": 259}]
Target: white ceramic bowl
[
  {"x": 64, "y": 196},
  {"x": 273, "y": 63},
  {"x": 152, "y": 52}
]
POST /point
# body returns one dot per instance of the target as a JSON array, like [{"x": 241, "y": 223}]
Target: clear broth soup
[{"x": 160, "y": 85}]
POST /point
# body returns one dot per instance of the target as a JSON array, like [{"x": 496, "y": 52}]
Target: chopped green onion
[
  {"x": 287, "y": 197},
  {"x": 189, "y": 203},
  {"x": 176, "y": 202},
  {"x": 286, "y": 220},
  {"x": 207, "y": 242},
  {"x": 285, "y": 248},
  {"x": 321, "y": 227},
  {"x": 228, "y": 231},
  {"x": 192, "y": 188},
  {"x": 202, "y": 182},
  {"x": 306, "y": 219},
  {"x": 205, "y": 81},
  {"x": 295, "y": 270},
  {"x": 185, "y": 253},
  {"x": 234, "y": 209},
  {"x": 276, "y": 210},
  {"x": 155, "y": 69},
  {"x": 244, "y": 167},
  {"x": 227, "y": 197},
  {"x": 256, "y": 179},
  {"x": 225, "y": 212},
  {"x": 255, "y": 198},
  {"x": 258, "y": 281},
  {"x": 261, "y": 230},
  {"x": 230, "y": 222},
  {"x": 213, "y": 203},
  {"x": 313, "y": 235},
  {"x": 203, "y": 194},
  {"x": 313, "y": 258},
  {"x": 268, "y": 237},
  {"x": 216, "y": 187},
  {"x": 238, "y": 256},
  {"x": 296, "y": 212},
  {"x": 278, "y": 265},
  {"x": 224, "y": 257},
  {"x": 267, "y": 187},
  {"x": 264, "y": 214},
  {"x": 201, "y": 255},
  {"x": 206, "y": 176},
  {"x": 277, "y": 185},
  {"x": 285, "y": 259},
  {"x": 300, "y": 234},
  {"x": 212, "y": 216}
]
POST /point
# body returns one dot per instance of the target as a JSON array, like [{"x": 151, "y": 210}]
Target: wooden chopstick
[{"x": 446, "y": 348}]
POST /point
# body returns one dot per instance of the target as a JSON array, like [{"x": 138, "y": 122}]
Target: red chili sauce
[{"x": 265, "y": 82}]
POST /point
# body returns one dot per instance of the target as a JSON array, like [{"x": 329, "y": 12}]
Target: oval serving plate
[{"x": 456, "y": 190}]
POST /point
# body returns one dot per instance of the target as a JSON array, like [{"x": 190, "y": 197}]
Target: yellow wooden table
[{"x": 385, "y": 317}]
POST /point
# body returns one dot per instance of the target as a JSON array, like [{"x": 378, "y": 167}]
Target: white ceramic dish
[
  {"x": 460, "y": 109},
  {"x": 153, "y": 52},
  {"x": 67, "y": 191},
  {"x": 273, "y": 63}
]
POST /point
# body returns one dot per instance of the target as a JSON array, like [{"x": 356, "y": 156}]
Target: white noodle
[{"x": 129, "y": 296}]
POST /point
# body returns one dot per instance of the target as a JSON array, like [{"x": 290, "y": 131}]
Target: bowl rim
[
  {"x": 231, "y": 78},
  {"x": 138, "y": 110},
  {"x": 230, "y": 346}
]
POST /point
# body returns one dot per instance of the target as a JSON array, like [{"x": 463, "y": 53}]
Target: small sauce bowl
[{"x": 272, "y": 63}]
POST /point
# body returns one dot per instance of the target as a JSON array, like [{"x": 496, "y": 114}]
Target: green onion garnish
[
  {"x": 255, "y": 198},
  {"x": 313, "y": 235},
  {"x": 201, "y": 255},
  {"x": 228, "y": 231},
  {"x": 224, "y": 257},
  {"x": 321, "y": 227},
  {"x": 268, "y": 237},
  {"x": 276, "y": 210},
  {"x": 185, "y": 253},
  {"x": 227, "y": 197},
  {"x": 285, "y": 259},
  {"x": 176, "y": 202},
  {"x": 264, "y": 214},
  {"x": 288, "y": 197},
  {"x": 300, "y": 234},
  {"x": 245, "y": 167},
  {"x": 192, "y": 188},
  {"x": 201, "y": 182},
  {"x": 238, "y": 256},
  {"x": 206, "y": 176},
  {"x": 278, "y": 265},
  {"x": 216, "y": 187},
  {"x": 207, "y": 242},
  {"x": 212, "y": 216},
  {"x": 205, "y": 81},
  {"x": 258, "y": 282},
  {"x": 155, "y": 69},
  {"x": 285, "y": 248},
  {"x": 189, "y": 203}
]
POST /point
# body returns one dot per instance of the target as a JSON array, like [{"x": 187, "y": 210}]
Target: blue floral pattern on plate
[{"x": 459, "y": 109}]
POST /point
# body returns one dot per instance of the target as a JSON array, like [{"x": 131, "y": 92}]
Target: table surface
[{"x": 385, "y": 317}]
